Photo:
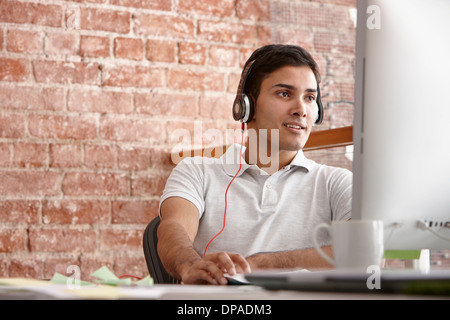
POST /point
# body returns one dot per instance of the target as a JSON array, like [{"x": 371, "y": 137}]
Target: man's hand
[{"x": 211, "y": 269}]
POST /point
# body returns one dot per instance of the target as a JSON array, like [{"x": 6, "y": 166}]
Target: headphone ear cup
[
  {"x": 248, "y": 109},
  {"x": 320, "y": 107},
  {"x": 243, "y": 105},
  {"x": 238, "y": 108}
]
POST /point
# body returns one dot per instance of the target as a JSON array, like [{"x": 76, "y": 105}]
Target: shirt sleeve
[
  {"x": 186, "y": 181},
  {"x": 340, "y": 188}
]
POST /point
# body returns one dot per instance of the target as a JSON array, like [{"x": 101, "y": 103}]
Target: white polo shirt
[{"x": 265, "y": 213}]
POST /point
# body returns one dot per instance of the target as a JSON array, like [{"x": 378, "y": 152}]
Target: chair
[{"x": 155, "y": 267}]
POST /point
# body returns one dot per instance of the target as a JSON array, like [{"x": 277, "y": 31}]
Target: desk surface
[{"x": 14, "y": 288}]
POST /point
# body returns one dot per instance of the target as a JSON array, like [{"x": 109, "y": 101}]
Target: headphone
[{"x": 244, "y": 105}]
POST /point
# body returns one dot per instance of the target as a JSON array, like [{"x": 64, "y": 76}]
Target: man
[{"x": 225, "y": 216}]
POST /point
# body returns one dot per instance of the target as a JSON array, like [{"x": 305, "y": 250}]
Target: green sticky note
[
  {"x": 104, "y": 276},
  {"x": 402, "y": 254},
  {"x": 61, "y": 279},
  {"x": 147, "y": 281},
  {"x": 107, "y": 277}
]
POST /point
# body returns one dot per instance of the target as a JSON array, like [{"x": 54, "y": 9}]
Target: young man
[{"x": 269, "y": 212}]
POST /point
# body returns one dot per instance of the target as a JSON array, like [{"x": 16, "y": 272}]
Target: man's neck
[{"x": 268, "y": 160}]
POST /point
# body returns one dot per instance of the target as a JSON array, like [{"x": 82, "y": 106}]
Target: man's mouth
[{"x": 296, "y": 126}]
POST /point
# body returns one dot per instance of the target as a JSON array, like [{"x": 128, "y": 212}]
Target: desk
[{"x": 37, "y": 289}]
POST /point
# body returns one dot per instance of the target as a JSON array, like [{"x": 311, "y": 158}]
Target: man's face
[{"x": 287, "y": 103}]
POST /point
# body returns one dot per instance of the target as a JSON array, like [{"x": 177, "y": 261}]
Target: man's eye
[
  {"x": 311, "y": 98},
  {"x": 283, "y": 94}
]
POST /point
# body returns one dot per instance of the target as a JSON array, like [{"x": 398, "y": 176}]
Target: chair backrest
[{"x": 150, "y": 243}]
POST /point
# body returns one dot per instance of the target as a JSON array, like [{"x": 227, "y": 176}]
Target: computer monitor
[{"x": 402, "y": 121}]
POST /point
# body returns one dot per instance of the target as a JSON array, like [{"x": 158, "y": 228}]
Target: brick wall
[{"x": 91, "y": 92}]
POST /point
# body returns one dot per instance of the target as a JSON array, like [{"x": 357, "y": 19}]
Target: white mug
[{"x": 357, "y": 244}]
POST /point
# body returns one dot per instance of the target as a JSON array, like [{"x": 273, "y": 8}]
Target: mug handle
[{"x": 316, "y": 244}]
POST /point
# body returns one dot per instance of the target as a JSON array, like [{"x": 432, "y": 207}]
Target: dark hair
[{"x": 272, "y": 57}]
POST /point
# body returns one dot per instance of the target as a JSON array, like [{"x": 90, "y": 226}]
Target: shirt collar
[{"x": 230, "y": 161}]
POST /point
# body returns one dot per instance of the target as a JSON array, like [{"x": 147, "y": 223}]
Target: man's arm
[
  {"x": 176, "y": 234},
  {"x": 306, "y": 258}
]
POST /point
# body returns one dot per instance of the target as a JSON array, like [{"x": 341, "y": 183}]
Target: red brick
[
  {"x": 12, "y": 239},
  {"x": 350, "y": 3},
  {"x": 333, "y": 42},
  {"x": 65, "y": 156},
  {"x": 227, "y": 32},
  {"x": 61, "y": 44},
  {"x": 134, "y": 264},
  {"x": 92, "y": 46},
  {"x": 318, "y": 16},
  {"x": 217, "y": 8},
  {"x": 133, "y": 158},
  {"x": 32, "y": 98},
  {"x": 160, "y": 159},
  {"x": 128, "y": 48},
  {"x": 72, "y": 17},
  {"x": 117, "y": 239},
  {"x": 60, "y": 265},
  {"x": 24, "y": 41},
  {"x": 147, "y": 185},
  {"x": 144, "y": 130},
  {"x": 105, "y": 20},
  {"x": 288, "y": 34},
  {"x": 94, "y": 184},
  {"x": 62, "y": 127},
  {"x": 157, "y": 104},
  {"x": 223, "y": 56},
  {"x": 341, "y": 67},
  {"x": 134, "y": 212},
  {"x": 100, "y": 101},
  {"x": 15, "y": 211},
  {"x": 5, "y": 154},
  {"x": 12, "y": 126},
  {"x": 22, "y": 13},
  {"x": 99, "y": 156},
  {"x": 75, "y": 212},
  {"x": 193, "y": 53},
  {"x": 348, "y": 91},
  {"x": 256, "y": 10},
  {"x": 91, "y": 262},
  {"x": 216, "y": 107},
  {"x": 66, "y": 72},
  {"x": 30, "y": 155},
  {"x": 166, "y": 26},
  {"x": 29, "y": 183},
  {"x": 188, "y": 79},
  {"x": 62, "y": 240},
  {"x": 264, "y": 33},
  {"x": 160, "y": 50},
  {"x": 14, "y": 69},
  {"x": 133, "y": 76},
  {"x": 1, "y": 48},
  {"x": 176, "y": 128},
  {"x": 162, "y": 5},
  {"x": 26, "y": 268},
  {"x": 233, "y": 82}
]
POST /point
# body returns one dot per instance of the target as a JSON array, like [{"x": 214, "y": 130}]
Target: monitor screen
[{"x": 402, "y": 121}]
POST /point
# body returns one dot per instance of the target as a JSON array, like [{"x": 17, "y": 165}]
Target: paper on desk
[{"x": 105, "y": 276}]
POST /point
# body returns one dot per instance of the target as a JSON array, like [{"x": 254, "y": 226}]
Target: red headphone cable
[{"x": 226, "y": 192}]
